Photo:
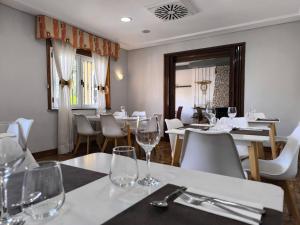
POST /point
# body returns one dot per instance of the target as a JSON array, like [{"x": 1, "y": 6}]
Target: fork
[{"x": 191, "y": 200}]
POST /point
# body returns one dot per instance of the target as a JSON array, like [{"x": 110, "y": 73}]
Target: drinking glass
[
  {"x": 148, "y": 136},
  {"x": 43, "y": 192},
  {"x": 123, "y": 168},
  {"x": 123, "y": 110},
  {"x": 11, "y": 156},
  {"x": 211, "y": 111},
  {"x": 232, "y": 112}
]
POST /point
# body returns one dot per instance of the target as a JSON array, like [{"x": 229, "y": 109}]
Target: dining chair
[
  {"x": 85, "y": 131},
  {"x": 179, "y": 112},
  {"x": 173, "y": 124},
  {"x": 139, "y": 114},
  {"x": 111, "y": 130},
  {"x": 240, "y": 122},
  {"x": 212, "y": 152},
  {"x": 283, "y": 169}
]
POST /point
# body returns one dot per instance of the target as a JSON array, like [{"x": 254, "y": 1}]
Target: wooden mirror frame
[{"x": 236, "y": 53}]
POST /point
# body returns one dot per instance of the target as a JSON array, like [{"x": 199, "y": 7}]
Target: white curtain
[
  {"x": 101, "y": 65},
  {"x": 64, "y": 56}
]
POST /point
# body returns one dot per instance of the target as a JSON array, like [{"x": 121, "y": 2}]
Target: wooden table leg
[
  {"x": 260, "y": 150},
  {"x": 177, "y": 153},
  {"x": 253, "y": 160},
  {"x": 272, "y": 134}
]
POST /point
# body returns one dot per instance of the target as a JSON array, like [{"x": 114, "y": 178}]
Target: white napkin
[
  {"x": 207, "y": 207},
  {"x": 5, "y": 135}
]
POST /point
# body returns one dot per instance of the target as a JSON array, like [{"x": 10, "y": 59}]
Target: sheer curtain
[
  {"x": 101, "y": 64},
  {"x": 64, "y": 56}
]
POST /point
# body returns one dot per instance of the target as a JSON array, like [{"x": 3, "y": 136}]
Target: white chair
[
  {"x": 212, "y": 152},
  {"x": 283, "y": 169},
  {"x": 240, "y": 122},
  {"x": 111, "y": 130},
  {"x": 139, "y": 113},
  {"x": 173, "y": 124},
  {"x": 85, "y": 130}
]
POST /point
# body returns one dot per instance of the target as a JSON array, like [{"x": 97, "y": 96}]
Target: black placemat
[
  {"x": 73, "y": 177},
  {"x": 250, "y": 132},
  {"x": 194, "y": 127},
  {"x": 267, "y": 119},
  {"x": 176, "y": 214}
]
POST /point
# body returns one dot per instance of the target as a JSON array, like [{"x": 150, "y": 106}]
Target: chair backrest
[
  {"x": 24, "y": 130},
  {"x": 173, "y": 124},
  {"x": 110, "y": 126},
  {"x": 179, "y": 112},
  {"x": 139, "y": 113},
  {"x": 211, "y": 152},
  {"x": 221, "y": 112},
  {"x": 83, "y": 125},
  {"x": 288, "y": 158},
  {"x": 240, "y": 122}
]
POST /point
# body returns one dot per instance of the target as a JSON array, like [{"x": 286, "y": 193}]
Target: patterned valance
[{"x": 48, "y": 27}]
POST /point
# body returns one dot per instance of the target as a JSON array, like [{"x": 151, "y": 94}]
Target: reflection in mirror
[{"x": 201, "y": 84}]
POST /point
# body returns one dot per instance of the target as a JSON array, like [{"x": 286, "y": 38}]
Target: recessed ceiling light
[
  {"x": 126, "y": 19},
  {"x": 146, "y": 31}
]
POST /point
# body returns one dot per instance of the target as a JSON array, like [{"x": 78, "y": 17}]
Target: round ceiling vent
[{"x": 171, "y": 12}]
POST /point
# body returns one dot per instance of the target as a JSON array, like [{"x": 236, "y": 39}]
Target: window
[{"x": 83, "y": 91}]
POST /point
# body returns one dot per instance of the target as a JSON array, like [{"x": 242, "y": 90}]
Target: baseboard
[{"x": 46, "y": 153}]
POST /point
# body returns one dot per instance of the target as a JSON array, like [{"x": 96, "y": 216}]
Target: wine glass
[
  {"x": 211, "y": 111},
  {"x": 43, "y": 192},
  {"x": 11, "y": 156},
  {"x": 123, "y": 168},
  {"x": 232, "y": 112},
  {"x": 123, "y": 110},
  {"x": 148, "y": 136}
]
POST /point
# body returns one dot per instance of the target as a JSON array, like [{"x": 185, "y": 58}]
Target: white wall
[
  {"x": 23, "y": 79},
  {"x": 272, "y": 71}
]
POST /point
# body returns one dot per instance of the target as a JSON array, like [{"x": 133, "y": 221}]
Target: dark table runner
[
  {"x": 249, "y": 132},
  {"x": 73, "y": 177},
  {"x": 267, "y": 119},
  {"x": 194, "y": 127},
  {"x": 176, "y": 214}
]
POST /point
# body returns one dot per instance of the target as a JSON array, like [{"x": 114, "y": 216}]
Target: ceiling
[{"x": 102, "y": 17}]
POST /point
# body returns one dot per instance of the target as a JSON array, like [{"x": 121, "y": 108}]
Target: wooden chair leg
[
  {"x": 104, "y": 144},
  {"x": 88, "y": 144},
  {"x": 77, "y": 145},
  {"x": 290, "y": 199}
]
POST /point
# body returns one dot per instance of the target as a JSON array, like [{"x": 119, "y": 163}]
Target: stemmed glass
[
  {"x": 11, "y": 156},
  {"x": 232, "y": 112},
  {"x": 211, "y": 111},
  {"x": 123, "y": 110},
  {"x": 148, "y": 136}
]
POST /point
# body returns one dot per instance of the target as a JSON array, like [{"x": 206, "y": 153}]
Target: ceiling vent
[{"x": 173, "y": 10}]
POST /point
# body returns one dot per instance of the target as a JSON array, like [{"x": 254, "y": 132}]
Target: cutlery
[
  {"x": 164, "y": 202},
  {"x": 229, "y": 203},
  {"x": 191, "y": 200}
]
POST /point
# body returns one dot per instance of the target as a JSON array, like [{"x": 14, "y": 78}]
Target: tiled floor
[{"x": 162, "y": 155}]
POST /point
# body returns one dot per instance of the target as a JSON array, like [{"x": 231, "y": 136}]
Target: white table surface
[{"x": 99, "y": 201}]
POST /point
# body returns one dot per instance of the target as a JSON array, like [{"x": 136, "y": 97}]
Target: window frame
[{"x": 85, "y": 53}]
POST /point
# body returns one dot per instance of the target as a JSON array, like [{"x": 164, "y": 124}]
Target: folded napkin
[
  {"x": 207, "y": 207},
  {"x": 5, "y": 135}
]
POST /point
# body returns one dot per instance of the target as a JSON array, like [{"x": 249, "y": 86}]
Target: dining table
[
  {"x": 102, "y": 202},
  {"x": 271, "y": 124},
  {"x": 252, "y": 137}
]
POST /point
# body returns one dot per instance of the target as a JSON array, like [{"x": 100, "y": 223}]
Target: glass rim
[
  {"x": 43, "y": 165},
  {"x": 124, "y": 148}
]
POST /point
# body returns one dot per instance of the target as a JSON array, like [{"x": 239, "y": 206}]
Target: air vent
[{"x": 173, "y": 10}]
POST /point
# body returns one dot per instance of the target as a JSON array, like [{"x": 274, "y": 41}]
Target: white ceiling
[{"x": 102, "y": 17}]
